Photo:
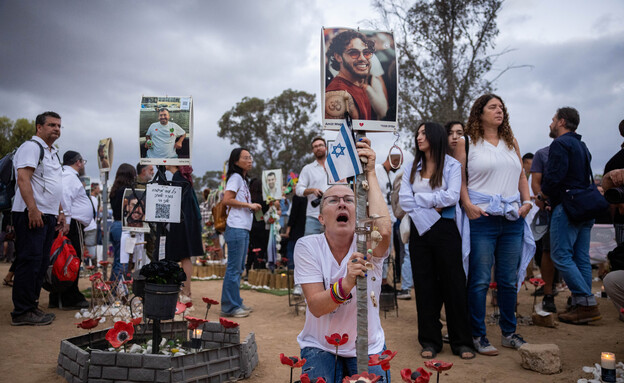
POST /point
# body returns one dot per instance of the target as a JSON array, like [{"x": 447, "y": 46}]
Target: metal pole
[
  {"x": 361, "y": 342},
  {"x": 105, "y": 228}
]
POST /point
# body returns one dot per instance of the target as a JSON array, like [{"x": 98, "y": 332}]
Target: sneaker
[
  {"x": 31, "y": 318},
  {"x": 404, "y": 294},
  {"x": 483, "y": 346},
  {"x": 581, "y": 315},
  {"x": 238, "y": 313},
  {"x": 247, "y": 308},
  {"x": 512, "y": 341},
  {"x": 548, "y": 303},
  {"x": 38, "y": 311},
  {"x": 539, "y": 292},
  {"x": 297, "y": 290}
]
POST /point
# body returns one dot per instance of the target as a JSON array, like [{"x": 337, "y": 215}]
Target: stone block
[
  {"x": 159, "y": 362},
  {"x": 65, "y": 347},
  {"x": 82, "y": 373},
  {"x": 95, "y": 371},
  {"x": 213, "y": 327},
  {"x": 67, "y": 363},
  {"x": 114, "y": 373},
  {"x": 163, "y": 376},
  {"x": 60, "y": 359},
  {"x": 140, "y": 375},
  {"x": 177, "y": 376},
  {"x": 218, "y": 337},
  {"x": 542, "y": 358},
  {"x": 103, "y": 358},
  {"x": 60, "y": 370},
  {"x": 78, "y": 380},
  {"x": 234, "y": 338},
  {"x": 129, "y": 360},
  {"x": 82, "y": 357},
  {"x": 68, "y": 376},
  {"x": 74, "y": 368}
]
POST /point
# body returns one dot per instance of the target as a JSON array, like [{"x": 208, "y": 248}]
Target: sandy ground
[{"x": 30, "y": 353}]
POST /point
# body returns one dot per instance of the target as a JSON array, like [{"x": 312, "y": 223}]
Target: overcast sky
[{"x": 91, "y": 61}]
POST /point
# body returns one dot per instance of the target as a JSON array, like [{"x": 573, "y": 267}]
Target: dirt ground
[{"x": 30, "y": 353}]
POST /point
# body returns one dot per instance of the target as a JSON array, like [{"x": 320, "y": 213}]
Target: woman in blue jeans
[
  {"x": 124, "y": 178},
  {"x": 238, "y": 225},
  {"x": 495, "y": 197}
]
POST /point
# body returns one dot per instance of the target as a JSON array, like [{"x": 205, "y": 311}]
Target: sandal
[
  {"x": 428, "y": 353},
  {"x": 466, "y": 353},
  {"x": 7, "y": 283}
]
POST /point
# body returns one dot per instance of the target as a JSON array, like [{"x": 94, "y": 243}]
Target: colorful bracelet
[
  {"x": 334, "y": 294},
  {"x": 342, "y": 293}
]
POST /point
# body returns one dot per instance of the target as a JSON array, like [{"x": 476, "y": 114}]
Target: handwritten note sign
[{"x": 162, "y": 203}]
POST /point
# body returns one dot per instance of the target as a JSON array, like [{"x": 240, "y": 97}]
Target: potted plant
[{"x": 162, "y": 285}]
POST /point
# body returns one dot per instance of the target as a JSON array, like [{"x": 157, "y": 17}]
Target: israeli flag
[{"x": 342, "y": 158}]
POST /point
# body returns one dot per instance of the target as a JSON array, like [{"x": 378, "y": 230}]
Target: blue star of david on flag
[{"x": 343, "y": 161}]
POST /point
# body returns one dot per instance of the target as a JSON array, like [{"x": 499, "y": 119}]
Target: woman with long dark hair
[
  {"x": 184, "y": 238},
  {"x": 238, "y": 225},
  {"x": 124, "y": 178},
  {"x": 455, "y": 131},
  {"x": 429, "y": 193},
  {"x": 496, "y": 199}
]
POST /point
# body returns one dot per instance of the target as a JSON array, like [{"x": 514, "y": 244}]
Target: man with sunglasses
[
  {"x": 350, "y": 53},
  {"x": 327, "y": 266}
]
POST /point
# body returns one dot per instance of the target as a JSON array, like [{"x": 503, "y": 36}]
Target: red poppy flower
[
  {"x": 622, "y": 310},
  {"x": 88, "y": 324},
  {"x": 228, "y": 323},
  {"x": 95, "y": 276},
  {"x": 104, "y": 263},
  {"x": 193, "y": 322},
  {"x": 120, "y": 333},
  {"x": 493, "y": 285},
  {"x": 364, "y": 377},
  {"x": 306, "y": 379},
  {"x": 438, "y": 365},
  {"x": 419, "y": 375},
  {"x": 203, "y": 260},
  {"x": 90, "y": 267},
  {"x": 102, "y": 286},
  {"x": 337, "y": 340},
  {"x": 210, "y": 301},
  {"x": 292, "y": 361},
  {"x": 180, "y": 308},
  {"x": 128, "y": 282},
  {"x": 136, "y": 321},
  {"x": 537, "y": 282},
  {"x": 382, "y": 360}
]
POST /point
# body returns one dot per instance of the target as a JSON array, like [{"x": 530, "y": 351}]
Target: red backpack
[{"x": 64, "y": 265}]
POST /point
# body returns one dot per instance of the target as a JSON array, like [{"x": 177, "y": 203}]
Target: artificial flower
[
  {"x": 438, "y": 365},
  {"x": 292, "y": 361},
  {"x": 180, "y": 308},
  {"x": 210, "y": 301},
  {"x": 382, "y": 359},
  {"x": 90, "y": 267},
  {"x": 364, "y": 377},
  {"x": 537, "y": 282},
  {"x": 136, "y": 321},
  {"x": 104, "y": 263},
  {"x": 304, "y": 378},
  {"x": 120, "y": 333},
  {"x": 95, "y": 276},
  {"x": 419, "y": 375},
  {"x": 493, "y": 285},
  {"x": 228, "y": 323},
  {"x": 88, "y": 324},
  {"x": 102, "y": 286},
  {"x": 336, "y": 339},
  {"x": 193, "y": 322}
]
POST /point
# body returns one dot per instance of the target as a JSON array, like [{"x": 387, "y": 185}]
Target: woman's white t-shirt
[
  {"x": 493, "y": 169},
  {"x": 315, "y": 263},
  {"x": 239, "y": 217}
]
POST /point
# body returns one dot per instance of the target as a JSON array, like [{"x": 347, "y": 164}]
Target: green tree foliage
[
  {"x": 211, "y": 179},
  {"x": 277, "y": 131},
  {"x": 13, "y": 134},
  {"x": 445, "y": 50}
]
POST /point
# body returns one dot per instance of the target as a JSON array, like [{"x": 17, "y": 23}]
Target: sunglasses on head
[{"x": 355, "y": 53}]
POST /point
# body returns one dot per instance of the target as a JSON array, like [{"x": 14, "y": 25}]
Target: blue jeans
[
  {"x": 569, "y": 251},
  {"x": 237, "y": 242},
  {"x": 119, "y": 269},
  {"x": 320, "y": 363},
  {"x": 312, "y": 226},
  {"x": 494, "y": 240},
  {"x": 407, "y": 280}
]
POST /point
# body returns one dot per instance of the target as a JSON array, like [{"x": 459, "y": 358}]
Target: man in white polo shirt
[
  {"x": 37, "y": 213},
  {"x": 164, "y": 137},
  {"x": 79, "y": 214},
  {"x": 312, "y": 184}
]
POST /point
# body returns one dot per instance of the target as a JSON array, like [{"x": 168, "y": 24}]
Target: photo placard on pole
[{"x": 163, "y": 203}]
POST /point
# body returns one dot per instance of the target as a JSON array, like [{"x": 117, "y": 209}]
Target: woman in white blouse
[{"x": 430, "y": 191}]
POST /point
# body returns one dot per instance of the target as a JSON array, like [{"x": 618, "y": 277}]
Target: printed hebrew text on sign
[{"x": 163, "y": 203}]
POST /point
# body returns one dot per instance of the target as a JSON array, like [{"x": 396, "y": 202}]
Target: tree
[
  {"x": 445, "y": 55},
  {"x": 277, "y": 131},
  {"x": 13, "y": 134},
  {"x": 211, "y": 179}
]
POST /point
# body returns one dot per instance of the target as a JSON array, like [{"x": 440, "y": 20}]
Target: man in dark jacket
[{"x": 567, "y": 168}]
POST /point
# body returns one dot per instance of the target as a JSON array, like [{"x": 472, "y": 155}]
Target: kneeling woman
[{"x": 429, "y": 193}]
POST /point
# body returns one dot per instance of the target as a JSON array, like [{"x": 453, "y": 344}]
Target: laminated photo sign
[
  {"x": 105, "y": 154},
  {"x": 133, "y": 211},
  {"x": 163, "y": 203}
]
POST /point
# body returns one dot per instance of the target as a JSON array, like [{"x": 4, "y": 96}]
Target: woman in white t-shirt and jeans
[{"x": 238, "y": 225}]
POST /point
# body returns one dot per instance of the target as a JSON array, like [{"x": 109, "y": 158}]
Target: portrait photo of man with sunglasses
[{"x": 359, "y": 75}]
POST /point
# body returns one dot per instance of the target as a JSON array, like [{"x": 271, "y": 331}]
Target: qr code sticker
[{"x": 162, "y": 211}]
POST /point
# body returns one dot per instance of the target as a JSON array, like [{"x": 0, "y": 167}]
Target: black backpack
[
  {"x": 7, "y": 178},
  {"x": 616, "y": 258}
]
